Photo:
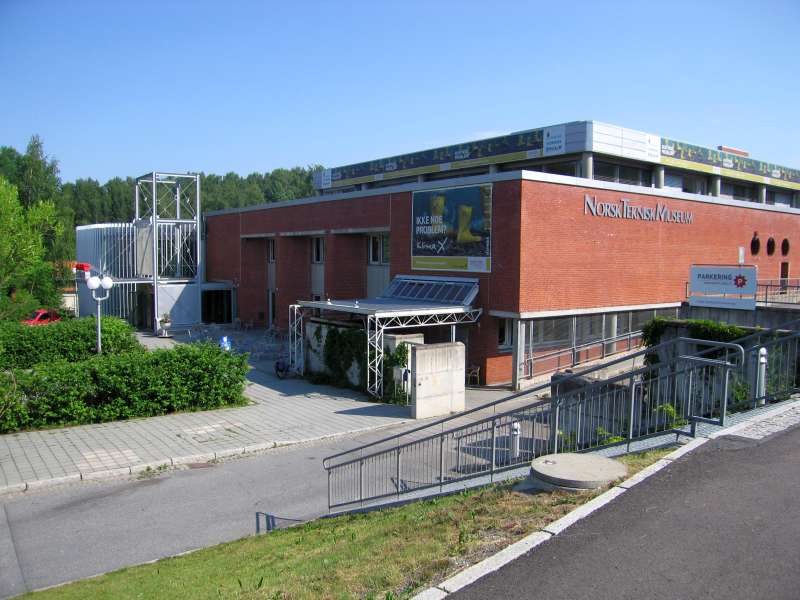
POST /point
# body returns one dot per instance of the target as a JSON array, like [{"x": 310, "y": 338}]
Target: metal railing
[
  {"x": 572, "y": 356},
  {"x": 779, "y": 291},
  {"x": 645, "y": 401}
]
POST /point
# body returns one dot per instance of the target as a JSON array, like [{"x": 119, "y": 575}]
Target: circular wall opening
[
  {"x": 785, "y": 247},
  {"x": 770, "y": 246},
  {"x": 755, "y": 245}
]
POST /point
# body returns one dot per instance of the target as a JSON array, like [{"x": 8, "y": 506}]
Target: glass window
[
  {"x": 504, "y": 333},
  {"x": 374, "y": 249},
  {"x": 563, "y": 168},
  {"x": 385, "y": 256},
  {"x": 317, "y": 250},
  {"x": 604, "y": 171},
  {"x": 379, "y": 249}
]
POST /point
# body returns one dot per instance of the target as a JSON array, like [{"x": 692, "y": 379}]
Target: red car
[{"x": 42, "y": 317}]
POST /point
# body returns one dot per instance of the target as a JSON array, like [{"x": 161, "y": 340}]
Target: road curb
[{"x": 533, "y": 540}]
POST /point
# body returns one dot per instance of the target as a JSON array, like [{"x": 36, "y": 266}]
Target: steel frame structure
[
  {"x": 168, "y": 205},
  {"x": 374, "y": 326}
]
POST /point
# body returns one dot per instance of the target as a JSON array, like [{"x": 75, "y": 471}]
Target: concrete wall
[
  {"x": 437, "y": 379},
  {"x": 315, "y": 351},
  {"x": 766, "y": 317}
]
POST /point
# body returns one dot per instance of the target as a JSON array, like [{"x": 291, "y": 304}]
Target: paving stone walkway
[
  {"x": 772, "y": 424},
  {"x": 283, "y": 412}
]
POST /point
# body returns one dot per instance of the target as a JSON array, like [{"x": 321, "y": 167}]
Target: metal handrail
[
  {"x": 585, "y": 345},
  {"x": 495, "y": 403},
  {"x": 557, "y": 399}
]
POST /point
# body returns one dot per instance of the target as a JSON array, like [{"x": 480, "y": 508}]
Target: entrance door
[{"x": 784, "y": 275}]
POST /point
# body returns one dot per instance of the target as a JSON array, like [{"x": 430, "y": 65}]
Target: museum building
[{"x": 575, "y": 234}]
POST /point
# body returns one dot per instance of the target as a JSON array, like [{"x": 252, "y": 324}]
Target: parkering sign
[
  {"x": 626, "y": 209},
  {"x": 719, "y": 286}
]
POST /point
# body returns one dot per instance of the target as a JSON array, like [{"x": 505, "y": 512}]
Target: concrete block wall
[{"x": 437, "y": 382}]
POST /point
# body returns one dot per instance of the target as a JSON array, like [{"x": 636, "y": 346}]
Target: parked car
[{"x": 43, "y": 316}]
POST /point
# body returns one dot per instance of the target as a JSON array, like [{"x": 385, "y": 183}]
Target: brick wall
[
  {"x": 292, "y": 275},
  {"x": 252, "y": 293},
  {"x": 346, "y": 266},
  {"x": 577, "y": 260},
  {"x": 547, "y": 254}
]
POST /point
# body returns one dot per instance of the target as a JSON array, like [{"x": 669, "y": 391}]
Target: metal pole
[
  {"x": 761, "y": 388},
  {"x": 99, "y": 342},
  {"x": 441, "y": 461},
  {"x": 154, "y": 221},
  {"x": 515, "y": 434},
  {"x": 494, "y": 446}
]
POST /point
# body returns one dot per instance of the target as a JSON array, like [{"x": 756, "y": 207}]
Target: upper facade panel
[{"x": 558, "y": 140}]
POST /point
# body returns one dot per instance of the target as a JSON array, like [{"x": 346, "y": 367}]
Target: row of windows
[
  {"x": 558, "y": 331},
  {"x": 378, "y": 250}
]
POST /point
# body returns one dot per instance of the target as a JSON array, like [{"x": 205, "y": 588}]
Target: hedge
[
  {"x": 111, "y": 387},
  {"x": 22, "y": 346},
  {"x": 702, "y": 329}
]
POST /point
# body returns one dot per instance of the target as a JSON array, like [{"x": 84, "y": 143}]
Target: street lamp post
[{"x": 93, "y": 283}]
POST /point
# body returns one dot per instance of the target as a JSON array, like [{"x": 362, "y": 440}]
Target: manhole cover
[{"x": 578, "y": 471}]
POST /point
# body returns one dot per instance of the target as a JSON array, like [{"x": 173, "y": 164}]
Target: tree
[
  {"x": 38, "y": 176},
  {"x": 26, "y": 280}
]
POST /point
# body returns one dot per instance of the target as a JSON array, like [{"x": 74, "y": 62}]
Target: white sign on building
[{"x": 719, "y": 286}]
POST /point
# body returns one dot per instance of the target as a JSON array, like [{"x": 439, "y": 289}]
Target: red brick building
[{"x": 570, "y": 254}]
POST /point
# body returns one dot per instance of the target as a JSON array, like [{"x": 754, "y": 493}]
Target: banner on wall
[{"x": 452, "y": 229}]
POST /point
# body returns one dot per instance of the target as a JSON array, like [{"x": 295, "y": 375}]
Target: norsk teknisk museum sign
[{"x": 626, "y": 209}]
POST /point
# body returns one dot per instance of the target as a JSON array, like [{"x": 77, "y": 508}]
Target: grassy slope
[{"x": 383, "y": 554}]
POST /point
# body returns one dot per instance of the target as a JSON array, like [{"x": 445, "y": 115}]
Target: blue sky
[{"x": 120, "y": 88}]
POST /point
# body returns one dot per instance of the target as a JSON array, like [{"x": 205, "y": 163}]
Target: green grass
[{"x": 389, "y": 553}]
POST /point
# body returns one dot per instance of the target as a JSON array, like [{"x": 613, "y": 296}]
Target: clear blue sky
[{"x": 122, "y": 88}]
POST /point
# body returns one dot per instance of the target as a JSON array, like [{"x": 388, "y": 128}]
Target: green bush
[
  {"x": 702, "y": 329},
  {"x": 121, "y": 386},
  {"x": 22, "y": 346}
]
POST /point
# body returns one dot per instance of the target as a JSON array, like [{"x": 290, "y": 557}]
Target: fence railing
[
  {"x": 779, "y": 291},
  {"x": 548, "y": 362},
  {"x": 645, "y": 401}
]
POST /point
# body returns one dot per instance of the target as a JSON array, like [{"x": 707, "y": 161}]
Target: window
[
  {"x": 776, "y": 197},
  {"x": 505, "y": 328},
  {"x": 771, "y": 246},
  {"x": 737, "y": 191},
  {"x": 379, "y": 249},
  {"x": 686, "y": 182},
  {"x": 563, "y": 168},
  {"x": 271, "y": 250},
  {"x": 317, "y": 250},
  {"x": 604, "y": 171},
  {"x": 629, "y": 175}
]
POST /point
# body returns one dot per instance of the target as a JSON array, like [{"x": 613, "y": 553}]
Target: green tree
[{"x": 26, "y": 280}]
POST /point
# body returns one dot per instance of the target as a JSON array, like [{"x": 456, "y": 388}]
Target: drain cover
[{"x": 577, "y": 471}]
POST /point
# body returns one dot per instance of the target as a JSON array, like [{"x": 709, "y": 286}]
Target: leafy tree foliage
[
  {"x": 86, "y": 201},
  {"x": 26, "y": 279}
]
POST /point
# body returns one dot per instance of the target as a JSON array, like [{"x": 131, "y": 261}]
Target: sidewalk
[{"x": 283, "y": 412}]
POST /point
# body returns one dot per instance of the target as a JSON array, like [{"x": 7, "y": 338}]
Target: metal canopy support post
[
  {"x": 518, "y": 353},
  {"x": 296, "y": 347},
  {"x": 374, "y": 356},
  {"x": 377, "y": 324}
]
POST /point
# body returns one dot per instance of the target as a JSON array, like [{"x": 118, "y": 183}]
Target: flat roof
[
  {"x": 385, "y": 307},
  {"x": 508, "y": 176},
  {"x": 557, "y": 140}
]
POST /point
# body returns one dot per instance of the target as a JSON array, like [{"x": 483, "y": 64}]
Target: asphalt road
[
  {"x": 57, "y": 535},
  {"x": 723, "y": 522}
]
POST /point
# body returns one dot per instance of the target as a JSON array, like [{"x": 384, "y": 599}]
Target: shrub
[
  {"x": 22, "y": 346},
  {"x": 122, "y": 386}
]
